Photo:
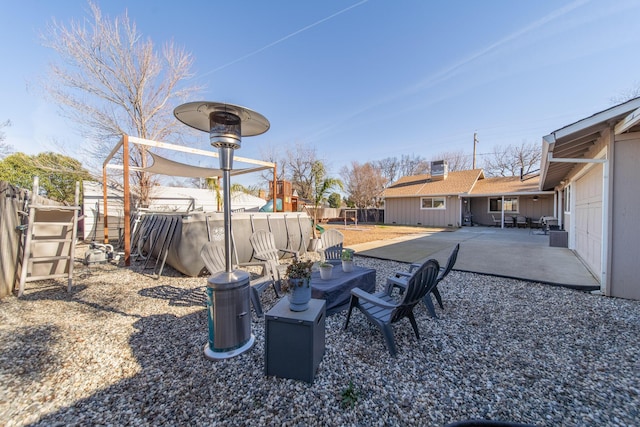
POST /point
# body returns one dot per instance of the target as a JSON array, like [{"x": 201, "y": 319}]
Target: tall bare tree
[
  {"x": 512, "y": 159},
  {"x": 413, "y": 165},
  {"x": 389, "y": 168},
  {"x": 295, "y": 163},
  {"x": 457, "y": 160},
  {"x": 300, "y": 167},
  {"x": 5, "y": 148},
  {"x": 111, "y": 81},
  {"x": 363, "y": 183},
  {"x": 273, "y": 154}
]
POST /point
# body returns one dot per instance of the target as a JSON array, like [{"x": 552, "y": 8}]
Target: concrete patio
[{"x": 519, "y": 253}]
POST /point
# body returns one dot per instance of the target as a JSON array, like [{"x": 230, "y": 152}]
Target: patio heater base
[{"x": 220, "y": 355}]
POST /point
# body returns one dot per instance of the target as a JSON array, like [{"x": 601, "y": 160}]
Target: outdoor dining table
[{"x": 337, "y": 290}]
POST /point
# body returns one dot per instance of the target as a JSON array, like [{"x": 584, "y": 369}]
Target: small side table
[{"x": 294, "y": 340}]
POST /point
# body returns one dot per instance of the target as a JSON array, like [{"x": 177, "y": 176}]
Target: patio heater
[{"x": 228, "y": 306}]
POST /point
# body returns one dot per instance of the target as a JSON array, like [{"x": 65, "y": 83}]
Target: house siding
[
  {"x": 625, "y": 257},
  {"x": 407, "y": 211}
]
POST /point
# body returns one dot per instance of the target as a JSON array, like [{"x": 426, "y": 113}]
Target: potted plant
[
  {"x": 325, "y": 270},
  {"x": 347, "y": 260},
  {"x": 298, "y": 283}
]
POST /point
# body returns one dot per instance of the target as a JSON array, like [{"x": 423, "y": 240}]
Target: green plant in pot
[
  {"x": 325, "y": 270},
  {"x": 347, "y": 260},
  {"x": 298, "y": 284}
]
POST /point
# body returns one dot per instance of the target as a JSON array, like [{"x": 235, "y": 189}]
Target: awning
[{"x": 164, "y": 166}]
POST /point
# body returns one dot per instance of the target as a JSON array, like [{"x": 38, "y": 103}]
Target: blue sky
[{"x": 359, "y": 80}]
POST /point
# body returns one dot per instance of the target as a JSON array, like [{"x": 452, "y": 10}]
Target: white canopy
[{"x": 166, "y": 167}]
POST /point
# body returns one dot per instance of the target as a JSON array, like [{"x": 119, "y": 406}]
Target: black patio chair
[
  {"x": 383, "y": 310},
  {"x": 444, "y": 271}
]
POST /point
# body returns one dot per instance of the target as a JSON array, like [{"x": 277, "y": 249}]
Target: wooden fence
[{"x": 12, "y": 202}]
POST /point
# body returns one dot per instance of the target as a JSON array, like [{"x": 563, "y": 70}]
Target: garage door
[{"x": 588, "y": 219}]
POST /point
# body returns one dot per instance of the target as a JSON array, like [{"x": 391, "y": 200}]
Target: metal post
[{"x": 229, "y": 316}]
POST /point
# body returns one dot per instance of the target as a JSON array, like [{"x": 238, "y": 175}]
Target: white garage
[
  {"x": 588, "y": 218},
  {"x": 592, "y": 166}
]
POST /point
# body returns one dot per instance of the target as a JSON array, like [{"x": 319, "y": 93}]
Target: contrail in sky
[
  {"x": 448, "y": 72},
  {"x": 445, "y": 73},
  {"x": 295, "y": 33}
]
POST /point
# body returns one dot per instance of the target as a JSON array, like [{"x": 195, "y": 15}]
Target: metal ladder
[{"x": 50, "y": 241}]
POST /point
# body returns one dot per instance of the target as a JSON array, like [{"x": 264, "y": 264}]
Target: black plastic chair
[
  {"x": 383, "y": 310},
  {"x": 444, "y": 271}
]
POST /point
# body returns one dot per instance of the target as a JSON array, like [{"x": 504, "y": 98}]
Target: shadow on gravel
[
  {"x": 54, "y": 293},
  {"x": 179, "y": 297},
  {"x": 17, "y": 362},
  {"x": 173, "y": 381}
]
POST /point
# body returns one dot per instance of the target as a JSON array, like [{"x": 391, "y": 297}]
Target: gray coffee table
[{"x": 337, "y": 290}]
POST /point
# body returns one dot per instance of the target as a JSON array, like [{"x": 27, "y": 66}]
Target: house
[
  {"x": 453, "y": 199},
  {"x": 504, "y": 198},
  {"x": 592, "y": 168}
]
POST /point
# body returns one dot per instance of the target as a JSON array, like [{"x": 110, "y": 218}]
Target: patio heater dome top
[{"x": 198, "y": 116}]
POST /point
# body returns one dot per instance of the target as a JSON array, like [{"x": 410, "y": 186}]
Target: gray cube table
[
  {"x": 337, "y": 290},
  {"x": 294, "y": 340}
]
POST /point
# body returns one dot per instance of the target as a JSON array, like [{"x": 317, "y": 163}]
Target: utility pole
[{"x": 475, "y": 142}]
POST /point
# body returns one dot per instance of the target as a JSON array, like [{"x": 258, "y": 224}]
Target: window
[
  {"x": 432, "y": 203},
  {"x": 567, "y": 199},
  {"x": 510, "y": 204}
]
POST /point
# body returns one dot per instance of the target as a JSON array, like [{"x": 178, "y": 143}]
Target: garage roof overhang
[{"x": 570, "y": 145}]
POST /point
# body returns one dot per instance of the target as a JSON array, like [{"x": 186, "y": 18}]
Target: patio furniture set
[
  {"x": 289, "y": 332},
  {"x": 517, "y": 221}
]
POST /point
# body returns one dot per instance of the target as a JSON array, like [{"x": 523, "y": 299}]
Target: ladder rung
[
  {"x": 50, "y": 276},
  {"x": 52, "y": 223},
  {"x": 55, "y": 208},
  {"x": 48, "y": 258},
  {"x": 34, "y": 241}
]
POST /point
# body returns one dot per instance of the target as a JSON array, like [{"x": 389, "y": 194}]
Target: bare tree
[
  {"x": 111, "y": 81},
  {"x": 413, "y": 165},
  {"x": 364, "y": 184},
  {"x": 389, "y": 169},
  {"x": 273, "y": 154},
  {"x": 5, "y": 148},
  {"x": 456, "y": 160},
  {"x": 294, "y": 163},
  {"x": 512, "y": 159},
  {"x": 627, "y": 94},
  {"x": 392, "y": 168},
  {"x": 300, "y": 163}
]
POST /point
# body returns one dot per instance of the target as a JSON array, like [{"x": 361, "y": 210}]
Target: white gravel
[{"x": 125, "y": 349}]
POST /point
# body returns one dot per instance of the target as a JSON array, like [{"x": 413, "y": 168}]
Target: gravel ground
[{"x": 125, "y": 349}]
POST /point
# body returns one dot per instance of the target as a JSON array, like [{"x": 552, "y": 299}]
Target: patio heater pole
[{"x": 229, "y": 308}]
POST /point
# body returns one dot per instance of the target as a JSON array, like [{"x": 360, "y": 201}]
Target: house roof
[
  {"x": 575, "y": 140},
  {"x": 509, "y": 185},
  {"x": 457, "y": 182},
  {"x": 470, "y": 183}
]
